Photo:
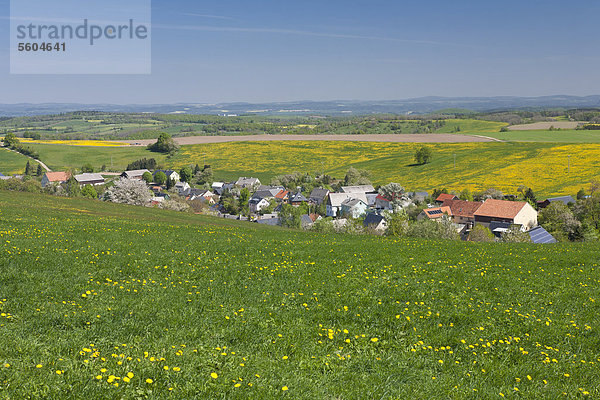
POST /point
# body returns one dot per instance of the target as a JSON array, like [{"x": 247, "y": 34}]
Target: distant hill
[{"x": 421, "y": 105}]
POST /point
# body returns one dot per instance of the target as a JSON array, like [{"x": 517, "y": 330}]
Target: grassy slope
[
  {"x": 272, "y": 308},
  {"x": 12, "y": 163}
]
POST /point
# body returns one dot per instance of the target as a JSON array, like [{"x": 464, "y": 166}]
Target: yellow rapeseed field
[{"x": 98, "y": 143}]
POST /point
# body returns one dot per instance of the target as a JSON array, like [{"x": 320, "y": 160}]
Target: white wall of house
[{"x": 527, "y": 217}]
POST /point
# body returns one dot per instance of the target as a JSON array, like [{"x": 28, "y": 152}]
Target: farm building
[
  {"x": 562, "y": 199},
  {"x": 50, "y": 178},
  {"x": 89, "y": 179},
  {"x": 134, "y": 174},
  {"x": 445, "y": 197},
  {"x": 358, "y": 189},
  {"x": 512, "y": 212},
  {"x": 462, "y": 211},
  {"x": 435, "y": 213}
]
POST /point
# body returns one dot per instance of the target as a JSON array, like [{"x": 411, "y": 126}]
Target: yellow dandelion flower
[
  {"x": 214, "y": 375},
  {"x": 149, "y": 380},
  {"x": 284, "y": 388}
]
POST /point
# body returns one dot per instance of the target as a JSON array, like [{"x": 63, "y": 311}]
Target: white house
[
  {"x": 256, "y": 204},
  {"x": 358, "y": 189},
  {"x": 335, "y": 200},
  {"x": 50, "y": 178},
  {"x": 249, "y": 183},
  {"x": 183, "y": 188},
  {"x": 354, "y": 208}
]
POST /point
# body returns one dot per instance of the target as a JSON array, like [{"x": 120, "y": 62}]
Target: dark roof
[
  {"x": 540, "y": 235},
  {"x": 563, "y": 199},
  {"x": 262, "y": 194},
  {"x": 167, "y": 172},
  {"x": 373, "y": 219},
  {"x": 298, "y": 198},
  {"x": 319, "y": 193},
  {"x": 305, "y": 219},
  {"x": 269, "y": 221}
]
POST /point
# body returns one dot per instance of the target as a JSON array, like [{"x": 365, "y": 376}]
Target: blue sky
[{"x": 283, "y": 50}]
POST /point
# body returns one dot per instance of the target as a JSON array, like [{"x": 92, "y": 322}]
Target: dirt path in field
[
  {"x": 404, "y": 138},
  {"x": 37, "y": 161}
]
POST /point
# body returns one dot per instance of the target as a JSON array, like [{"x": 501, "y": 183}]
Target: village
[{"x": 328, "y": 208}]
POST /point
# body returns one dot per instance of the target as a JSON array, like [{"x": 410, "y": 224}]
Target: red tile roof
[
  {"x": 282, "y": 194},
  {"x": 58, "y": 176},
  {"x": 462, "y": 208},
  {"x": 446, "y": 196},
  {"x": 500, "y": 209},
  {"x": 437, "y": 212}
]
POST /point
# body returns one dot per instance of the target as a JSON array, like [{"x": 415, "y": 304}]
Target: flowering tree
[{"x": 129, "y": 191}]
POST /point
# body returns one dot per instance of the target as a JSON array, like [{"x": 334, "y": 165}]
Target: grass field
[
  {"x": 61, "y": 157},
  {"x": 12, "y": 162},
  {"x": 505, "y": 166},
  {"x": 106, "y": 301},
  {"x": 562, "y": 136}
]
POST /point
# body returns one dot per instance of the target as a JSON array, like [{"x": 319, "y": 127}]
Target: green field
[
  {"x": 106, "y": 301},
  {"x": 11, "y": 162},
  {"x": 479, "y": 166},
  {"x": 561, "y": 136}
]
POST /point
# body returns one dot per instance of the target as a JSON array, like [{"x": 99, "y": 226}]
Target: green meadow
[
  {"x": 12, "y": 162},
  {"x": 119, "y": 302}
]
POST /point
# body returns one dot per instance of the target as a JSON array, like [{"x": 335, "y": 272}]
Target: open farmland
[
  {"x": 105, "y": 301},
  {"x": 505, "y": 166}
]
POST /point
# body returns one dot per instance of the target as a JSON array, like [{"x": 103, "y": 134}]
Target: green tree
[
  {"x": 89, "y": 191},
  {"x": 423, "y": 155},
  {"x": 581, "y": 194},
  {"x": 170, "y": 183},
  {"x": 290, "y": 216},
  {"x": 466, "y": 195},
  {"x": 397, "y": 224},
  {"x": 39, "y": 171},
  {"x": 243, "y": 200},
  {"x": 560, "y": 222},
  {"x": 185, "y": 174},
  {"x": 28, "y": 169},
  {"x": 87, "y": 168},
  {"x": 73, "y": 188},
  {"x": 10, "y": 140},
  {"x": 481, "y": 234},
  {"x": 147, "y": 176},
  {"x": 164, "y": 144},
  {"x": 357, "y": 177},
  {"x": 205, "y": 177},
  {"x": 160, "y": 178}
]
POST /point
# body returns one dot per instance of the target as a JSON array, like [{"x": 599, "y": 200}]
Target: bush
[
  {"x": 427, "y": 229},
  {"x": 481, "y": 234},
  {"x": 14, "y": 184},
  {"x": 89, "y": 191}
]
